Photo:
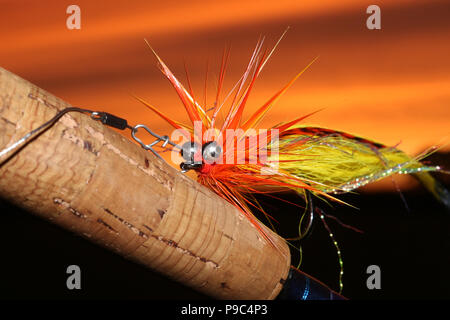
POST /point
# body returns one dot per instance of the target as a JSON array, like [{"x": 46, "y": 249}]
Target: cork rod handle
[{"x": 91, "y": 180}]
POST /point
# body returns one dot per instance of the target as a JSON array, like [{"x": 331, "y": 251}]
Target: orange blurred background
[{"x": 391, "y": 85}]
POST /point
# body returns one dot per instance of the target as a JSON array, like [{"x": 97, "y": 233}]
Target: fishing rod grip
[{"x": 94, "y": 182}]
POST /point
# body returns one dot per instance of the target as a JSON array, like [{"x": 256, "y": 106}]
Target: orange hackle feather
[{"x": 237, "y": 182}]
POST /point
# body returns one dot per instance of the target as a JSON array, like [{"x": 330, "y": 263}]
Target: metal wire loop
[
  {"x": 96, "y": 115},
  {"x": 149, "y": 146}
]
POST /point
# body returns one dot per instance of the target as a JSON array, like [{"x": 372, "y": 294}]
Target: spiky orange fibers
[
  {"x": 285, "y": 157},
  {"x": 237, "y": 182}
]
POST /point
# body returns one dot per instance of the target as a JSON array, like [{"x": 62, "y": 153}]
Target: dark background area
[{"x": 411, "y": 248}]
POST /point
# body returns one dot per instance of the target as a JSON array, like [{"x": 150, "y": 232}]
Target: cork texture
[{"x": 93, "y": 181}]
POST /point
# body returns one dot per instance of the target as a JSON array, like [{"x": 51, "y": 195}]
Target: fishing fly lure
[{"x": 237, "y": 162}]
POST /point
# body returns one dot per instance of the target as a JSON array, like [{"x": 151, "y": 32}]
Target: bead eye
[
  {"x": 211, "y": 152},
  {"x": 188, "y": 151}
]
